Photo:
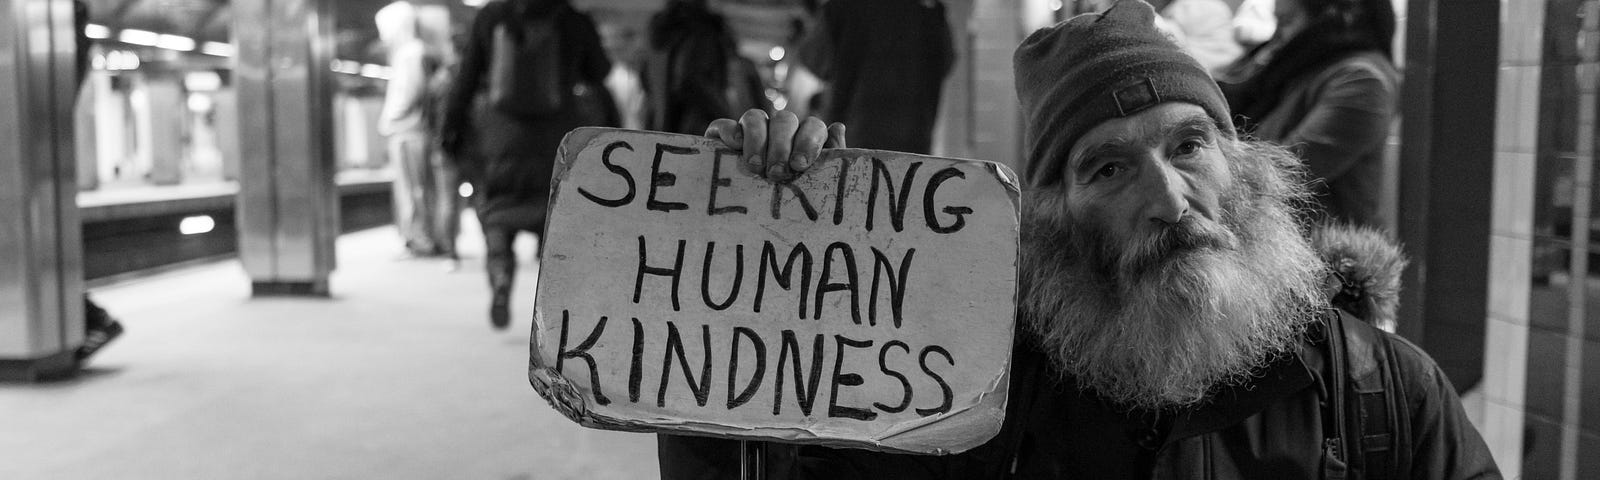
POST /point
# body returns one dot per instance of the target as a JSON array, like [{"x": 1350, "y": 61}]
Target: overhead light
[
  {"x": 139, "y": 37},
  {"x": 776, "y": 54},
  {"x": 217, "y": 48},
  {"x": 175, "y": 42},
  {"x": 375, "y": 71},
  {"x": 96, "y": 31},
  {"x": 473, "y": 3},
  {"x": 196, "y": 225},
  {"x": 347, "y": 66}
]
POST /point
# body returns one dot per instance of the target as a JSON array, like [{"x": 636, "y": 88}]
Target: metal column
[
  {"x": 41, "y": 248},
  {"x": 288, "y": 204}
]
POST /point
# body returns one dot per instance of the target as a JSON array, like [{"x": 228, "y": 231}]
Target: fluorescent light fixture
[
  {"x": 473, "y": 3},
  {"x": 217, "y": 48},
  {"x": 196, "y": 225},
  {"x": 175, "y": 42},
  {"x": 347, "y": 66},
  {"x": 139, "y": 37},
  {"x": 96, "y": 31},
  {"x": 375, "y": 71}
]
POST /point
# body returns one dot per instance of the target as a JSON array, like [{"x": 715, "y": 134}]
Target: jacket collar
[{"x": 1281, "y": 378}]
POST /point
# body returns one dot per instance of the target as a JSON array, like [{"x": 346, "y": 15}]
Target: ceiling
[{"x": 759, "y": 21}]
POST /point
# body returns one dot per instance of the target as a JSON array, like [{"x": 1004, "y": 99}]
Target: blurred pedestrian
[
  {"x": 411, "y": 63},
  {"x": 1204, "y": 29},
  {"x": 1326, "y": 87},
  {"x": 507, "y": 114},
  {"x": 1254, "y": 22},
  {"x": 693, "y": 72},
  {"x": 444, "y": 199},
  {"x": 884, "y": 63}
]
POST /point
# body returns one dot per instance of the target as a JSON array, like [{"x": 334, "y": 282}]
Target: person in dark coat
[
  {"x": 884, "y": 63},
  {"x": 1326, "y": 86},
  {"x": 508, "y": 159},
  {"x": 1174, "y": 320},
  {"x": 692, "y": 71}
]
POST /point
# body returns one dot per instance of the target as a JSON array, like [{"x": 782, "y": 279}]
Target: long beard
[{"x": 1159, "y": 321}]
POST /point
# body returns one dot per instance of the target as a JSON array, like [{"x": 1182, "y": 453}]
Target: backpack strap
[{"x": 1361, "y": 358}]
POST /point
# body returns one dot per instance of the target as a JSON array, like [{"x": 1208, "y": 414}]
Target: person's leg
[
  {"x": 407, "y": 150},
  {"x": 446, "y": 220},
  {"x": 99, "y": 329},
  {"x": 501, "y": 263}
]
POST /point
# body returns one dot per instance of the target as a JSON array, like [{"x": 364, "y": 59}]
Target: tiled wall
[
  {"x": 1516, "y": 131},
  {"x": 1542, "y": 366}
]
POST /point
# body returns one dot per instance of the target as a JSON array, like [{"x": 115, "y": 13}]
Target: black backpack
[
  {"x": 1369, "y": 426},
  {"x": 525, "y": 66}
]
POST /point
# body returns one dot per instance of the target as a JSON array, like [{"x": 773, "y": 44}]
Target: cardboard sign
[{"x": 868, "y": 303}]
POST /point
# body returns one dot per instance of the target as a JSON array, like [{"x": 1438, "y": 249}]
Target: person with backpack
[
  {"x": 1174, "y": 320},
  {"x": 531, "y": 71},
  {"x": 693, "y": 73}
]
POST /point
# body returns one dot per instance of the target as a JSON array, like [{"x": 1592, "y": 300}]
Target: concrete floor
[{"x": 397, "y": 376}]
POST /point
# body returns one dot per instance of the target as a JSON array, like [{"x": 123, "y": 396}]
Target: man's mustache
[{"x": 1143, "y": 253}]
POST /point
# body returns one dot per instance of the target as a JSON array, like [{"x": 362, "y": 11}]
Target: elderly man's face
[
  {"x": 1138, "y": 176},
  {"x": 1167, "y": 260}
]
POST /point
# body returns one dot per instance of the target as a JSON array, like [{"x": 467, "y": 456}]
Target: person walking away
[
  {"x": 1326, "y": 86},
  {"x": 510, "y": 115},
  {"x": 401, "y": 122},
  {"x": 884, "y": 63},
  {"x": 693, "y": 73}
]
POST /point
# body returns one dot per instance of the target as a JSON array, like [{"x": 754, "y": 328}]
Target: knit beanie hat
[{"x": 1095, "y": 67}]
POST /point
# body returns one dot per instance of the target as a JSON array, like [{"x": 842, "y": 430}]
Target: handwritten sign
[{"x": 868, "y": 303}]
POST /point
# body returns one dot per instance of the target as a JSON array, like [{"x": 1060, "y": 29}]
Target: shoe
[
  {"x": 500, "y": 311},
  {"x": 97, "y": 337}
]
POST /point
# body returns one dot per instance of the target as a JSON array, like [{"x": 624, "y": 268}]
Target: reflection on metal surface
[
  {"x": 288, "y": 217},
  {"x": 41, "y": 280}
]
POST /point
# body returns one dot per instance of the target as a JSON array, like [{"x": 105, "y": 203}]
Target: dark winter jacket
[
  {"x": 509, "y": 159},
  {"x": 686, "y": 76},
  {"x": 885, "y": 62},
  {"x": 1276, "y": 426},
  {"x": 1331, "y": 94}
]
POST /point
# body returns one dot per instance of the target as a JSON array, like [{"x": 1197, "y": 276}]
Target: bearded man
[{"x": 1173, "y": 315}]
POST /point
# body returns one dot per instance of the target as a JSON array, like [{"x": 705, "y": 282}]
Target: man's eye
[
  {"x": 1189, "y": 147},
  {"x": 1108, "y": 170}
]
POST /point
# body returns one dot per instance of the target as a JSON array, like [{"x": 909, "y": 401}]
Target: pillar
[
  {"x": 41, "y": 248},
  {"x": 288, "y": 203}
]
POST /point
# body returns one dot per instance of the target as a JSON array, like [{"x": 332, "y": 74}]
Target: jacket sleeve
[
  {"x": 700, "y": 458},
  {"x": 473, "y": 66},
  {"x": 1444, "y": 444},
  {"x": 1350, "y": 119}
]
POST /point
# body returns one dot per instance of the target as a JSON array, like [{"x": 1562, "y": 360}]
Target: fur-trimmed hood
[{"x": 1364, "y": 268}]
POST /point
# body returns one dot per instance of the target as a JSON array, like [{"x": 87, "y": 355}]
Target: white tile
[
  {"x": 1514, "y": 180},
  {"x": 1502, "y": 430},
  {"x": 1505, "y": 361},
  {"x": 1510, "y": 264}
]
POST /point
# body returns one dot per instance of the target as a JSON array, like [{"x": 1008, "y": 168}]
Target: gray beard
[{"x": 1159, "y": 322}]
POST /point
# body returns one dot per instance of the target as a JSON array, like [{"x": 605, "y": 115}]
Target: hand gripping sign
[{"x": 869, "y": 303}]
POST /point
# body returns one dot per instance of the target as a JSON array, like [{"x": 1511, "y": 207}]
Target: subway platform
[{"x": 397, "y": 375}]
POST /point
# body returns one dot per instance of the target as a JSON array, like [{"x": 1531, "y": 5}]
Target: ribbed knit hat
[{"x": 1094, "y": 67}]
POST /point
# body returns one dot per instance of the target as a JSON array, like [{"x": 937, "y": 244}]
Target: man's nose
[{"x": 1166, "y": 194}]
